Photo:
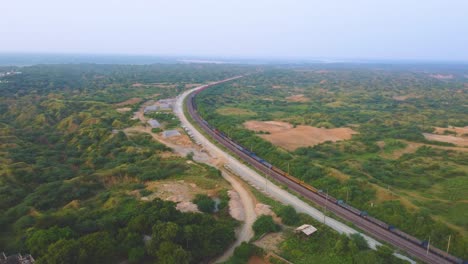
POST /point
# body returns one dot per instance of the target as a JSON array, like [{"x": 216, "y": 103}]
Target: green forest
[
  {"x": 68, "y": 172},
  {"x": 389, "y": 168}
]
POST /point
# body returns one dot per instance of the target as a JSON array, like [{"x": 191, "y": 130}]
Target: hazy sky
[{"x": 378, "y": 29}]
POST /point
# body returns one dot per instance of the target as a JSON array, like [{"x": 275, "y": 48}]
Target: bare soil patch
[
  {"x": 413, "y": 146},
  {"x": 270, "y": 242},
  {"x": 459, "y": 141},
  {"x": 286, "y": 136},
  {"x": 180, "y": 192},
  {"x": 130, "y": 101},
  {"x": 297, "y": 98},
  {"x": 123, "y": 109},
  {"x": 460, "y": 131},
  {"x": 236, "y": 209},
  {"x": 405, "y": 97},
  {"x": 257, "y": 260}
]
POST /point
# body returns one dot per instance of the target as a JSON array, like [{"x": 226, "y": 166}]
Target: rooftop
[{"x": 306, "y": 229}]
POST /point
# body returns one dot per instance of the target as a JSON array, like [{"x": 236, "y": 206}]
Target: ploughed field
[{"x": 390, "y": 141}]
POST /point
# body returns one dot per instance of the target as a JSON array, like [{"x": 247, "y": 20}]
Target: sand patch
[
  {"x": 297, "y": 98},
  {"x": 286, "y": 136},
  {"x": 459, "y": 141},
  {"x": 130, "y": 101}
]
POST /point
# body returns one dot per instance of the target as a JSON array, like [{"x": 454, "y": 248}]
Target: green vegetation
[
  {"x": 389, "y": 169},
  {"x": 204, "y": 203},
  {"x": 288, "y": 215},
  {"x": 169, "y": 120},
  {"x": 70, "y": 177},
  {"x": 264, "y": 224}
]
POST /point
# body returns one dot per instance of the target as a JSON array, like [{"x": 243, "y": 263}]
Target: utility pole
[
  {"x": 448, "y": 244},
  {"x": 288, "y": 168},
  {"x": 428, "y": 245},
  {"x": 325, "y": 207}
]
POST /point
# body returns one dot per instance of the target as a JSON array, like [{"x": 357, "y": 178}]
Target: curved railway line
[{"x": 370, "y": 225}]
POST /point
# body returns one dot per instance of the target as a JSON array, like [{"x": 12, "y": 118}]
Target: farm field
[{"x": 387, "y": 139}]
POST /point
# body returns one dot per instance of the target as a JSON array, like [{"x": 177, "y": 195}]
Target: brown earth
[
  {"x": 286, "y": 136},
  {"x": 297, "y": 98},
  {"x": 123, "y": 109},
  {"x": 459, "y": 141},
  {"x": 129, "y": 102},
  {"x": 459, "y": 130},
  {"x": 405, "y": 97},
  {"x": 257, "y": 260},
  {"x": 412, "y": 147},
  {"x": 270, "y": 242}
]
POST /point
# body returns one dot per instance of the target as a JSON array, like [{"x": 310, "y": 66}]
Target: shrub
[
  {"x": 265, "y": 224},
  {"x": 288, "y": 215},
  {"x": 204, "y": 203}
]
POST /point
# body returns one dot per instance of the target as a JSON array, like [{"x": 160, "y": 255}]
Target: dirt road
[{"x": 245, "y": 232}]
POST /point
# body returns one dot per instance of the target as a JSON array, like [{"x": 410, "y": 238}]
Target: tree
[
  {"x": 170, "y": 253},
  {"x": 97, "y": 248},
  {"x": 62, "y": 251},
  {"x": 39, "y": 240},
  {"x": 265, "y": 224},
  {"x": 385, "y": 253},
  {"x": 135, "y": 255}
]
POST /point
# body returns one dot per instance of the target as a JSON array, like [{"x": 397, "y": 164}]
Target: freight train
[{"x": 341, "y": 203}]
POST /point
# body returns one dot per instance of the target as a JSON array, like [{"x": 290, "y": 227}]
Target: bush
[
  {"x": 145, "y": 192},
  {"x": 288, "y": 215},
  {"x": 265, "y": 224},
  {"x": 359, "y": 240},
  {"x": 204, "y": 203}
]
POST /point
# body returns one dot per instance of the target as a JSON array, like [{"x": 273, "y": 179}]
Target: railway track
[{"x": 368, "y": 227}]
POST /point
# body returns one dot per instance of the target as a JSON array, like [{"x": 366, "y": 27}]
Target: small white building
[
  {"x": 306, "y": 229},
  {"x": 154, "y": 123}
]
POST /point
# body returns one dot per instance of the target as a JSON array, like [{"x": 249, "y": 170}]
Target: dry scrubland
[{"x": 392, "y": 140}]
